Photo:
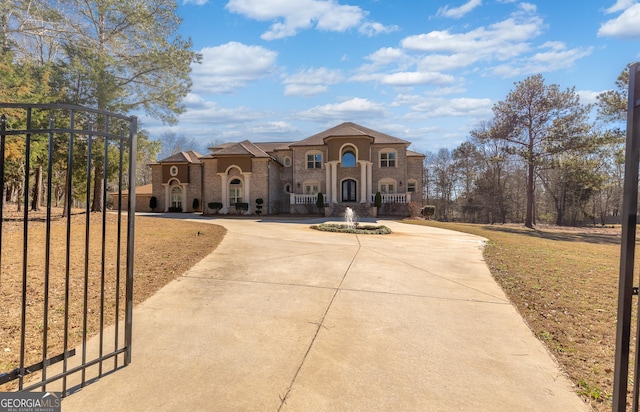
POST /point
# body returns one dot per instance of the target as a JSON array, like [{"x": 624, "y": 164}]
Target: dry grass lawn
[
  {"x": 164, "y": 249},
  {"x": 564, "y": 282}
]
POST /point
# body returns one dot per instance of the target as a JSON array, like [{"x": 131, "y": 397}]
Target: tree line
[
  {"x": 544, "y": 157},
  {"x": 119, "y": 56}
]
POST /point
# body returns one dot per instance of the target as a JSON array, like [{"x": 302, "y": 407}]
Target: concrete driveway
[{"x": 281, "y": 317}]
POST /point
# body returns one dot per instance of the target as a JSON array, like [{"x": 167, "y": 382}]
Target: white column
[
  {"x": 327, "y": 181},
  {"x": 167, "y": 197},
  {"x": 369, "y": 180},
  {"x": 363, "y": 182},
  {"x": 184, "y": 197},
  {"x": 247, "y": 190},
  {"x": 334, "y": 181},
  {"x": 225, "y": 200}
]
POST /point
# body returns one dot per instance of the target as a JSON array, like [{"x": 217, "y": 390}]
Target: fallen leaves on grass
[{"x": 164, "y": 249}]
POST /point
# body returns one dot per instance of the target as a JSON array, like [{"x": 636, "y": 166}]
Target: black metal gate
[
  {"x": 66, "y": 245},
  {"x": 625, "y": 345}
]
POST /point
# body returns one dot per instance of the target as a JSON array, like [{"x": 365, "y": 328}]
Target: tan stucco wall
[
  {"x": 244, "y": 163},
  {"x": 183, "y": 172},
  {"x": 362, "y": 145}
]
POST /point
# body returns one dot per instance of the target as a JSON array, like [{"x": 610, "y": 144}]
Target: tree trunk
[
  {"x": 98, "y": 181},
  {"x": 37, "y": 190},
  {"x": 530, "y": 189}
]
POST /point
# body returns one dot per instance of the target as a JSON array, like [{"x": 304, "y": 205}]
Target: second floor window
[
  {"x": 388, "y": 159},
  {"x": 314, "y": 161},
  {"x": 348, "y": 159}
]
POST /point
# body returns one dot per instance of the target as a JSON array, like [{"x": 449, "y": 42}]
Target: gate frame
[
  {"x": 126, "y": 142},
  {"x": 626, "y": 289}
]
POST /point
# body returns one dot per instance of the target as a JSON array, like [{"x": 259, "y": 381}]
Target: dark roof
[
  {"x": 190, "y": 156},
  {"x": 349, "y": 129}
]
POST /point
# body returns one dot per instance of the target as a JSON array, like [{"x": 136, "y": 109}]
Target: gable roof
[
  {"x": 244, "y": 148},
  {"x": 349, "y": 129},
  {"x": 190, "y": 156}
]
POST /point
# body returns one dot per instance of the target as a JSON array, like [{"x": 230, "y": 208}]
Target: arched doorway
[
  {"x": 349, "y": 190},
  {"x": 235, "y": 191}
]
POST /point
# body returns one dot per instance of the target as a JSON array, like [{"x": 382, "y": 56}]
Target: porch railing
[
  {"x": 301, "y": 199},
  {"x": 298, "y": 199},
  {"x": 394, "y": 197}
]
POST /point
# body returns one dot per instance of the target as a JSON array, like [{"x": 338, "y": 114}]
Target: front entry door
[{"x": 349, "y": 190}]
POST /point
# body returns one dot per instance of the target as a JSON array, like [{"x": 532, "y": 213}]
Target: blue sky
[{"x": 424, "y": 71}]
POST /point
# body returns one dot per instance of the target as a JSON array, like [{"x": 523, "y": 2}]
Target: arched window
[
  {"x": 235, "y": 191},
  {"x": 348, "y": 159},
  {"x": 176, "y": 196},
  {"x": 287, "y": 188}
]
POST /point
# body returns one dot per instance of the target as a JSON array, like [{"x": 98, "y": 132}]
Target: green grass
[{"x": 564, "y": 283}]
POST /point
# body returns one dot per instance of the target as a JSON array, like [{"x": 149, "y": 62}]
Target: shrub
[
  {"x": 259, "y": 202},
  {"x": 377, "y": 200},
  {"x": 214, "y": 206},
  {"x": 196, "y": 204},
  {"x": 428, "y": 211},
  {"x": 320, "y": 201},
  {"x": 175, "y": 209},
  {"x": 242, "y": 207},
  {"x": 153, "y": 203}
]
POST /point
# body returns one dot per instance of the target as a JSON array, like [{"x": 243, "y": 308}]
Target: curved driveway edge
[{"x": 281, "y": 317}]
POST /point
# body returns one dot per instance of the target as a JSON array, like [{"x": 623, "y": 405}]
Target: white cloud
[
  {"x": 294, "y": 15},
  {"x": 619, "y": 6},
  {"x": 320, "y": 75},
  {"x": 231, "y": 66},
  {"x": 528, "y": 7},
  {"x": 458, "y": 12},
  {"x": 588, "y": 96},
  {"x": 444, "y": 62},
  {"x": 415, "y": 78},
  {"x": 386, "y": 55},
  {"x": 372, "y": 29},
  {"x": 624, "y": 26},
  {"x": 311, "y": 81},
  {"x": 492, "y": 40},
  {"x": 271, "y": 128},
  {"x": 304, "y": 89},
  {"x": 201, "y": 111},
  {"x": 347, "y": 110},
  {"x": 429, "y": 107},
  {"x": 557, "y": 57}
]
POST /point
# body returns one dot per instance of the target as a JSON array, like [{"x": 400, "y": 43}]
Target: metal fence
[
  {"x": 627, "y": 290},
  {"x": 66, "y": 254}
]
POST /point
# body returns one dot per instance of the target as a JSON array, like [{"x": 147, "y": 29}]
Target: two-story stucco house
[{"x": 348, "y": 164}]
